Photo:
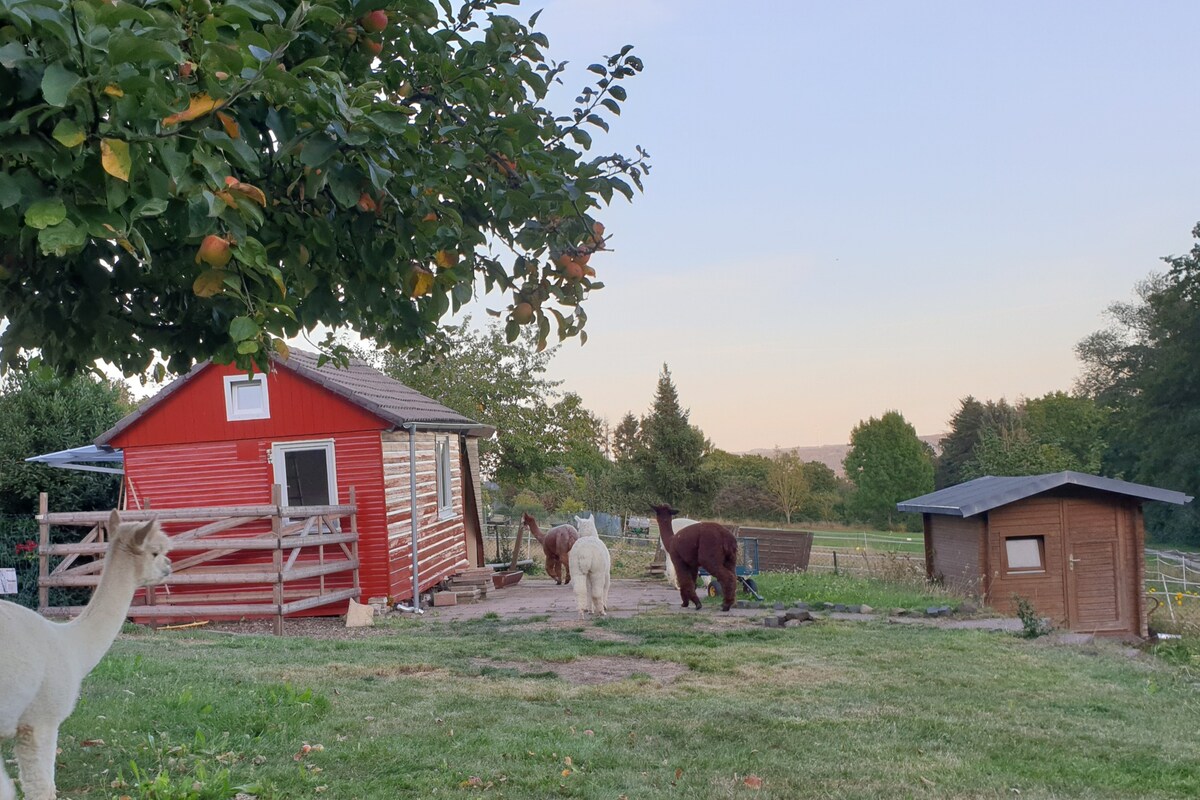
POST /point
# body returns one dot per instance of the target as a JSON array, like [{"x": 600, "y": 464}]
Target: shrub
[{"x": 1032, "y": 625}]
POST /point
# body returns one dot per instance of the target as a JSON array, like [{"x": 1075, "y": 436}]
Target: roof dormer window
[{"x": 246, "y": 397}]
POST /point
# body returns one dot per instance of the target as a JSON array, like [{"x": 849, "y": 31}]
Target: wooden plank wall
[
  {"x": 779, "y": 550},
  {"x": 957, "y": 549},
  {"x": 441, "y": 549},
  {"x": 1037, "y": 516},
  {"x": 231, "y": 473}
]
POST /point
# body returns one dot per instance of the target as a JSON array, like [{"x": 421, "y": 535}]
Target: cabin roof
[
  {"x": 983, "y": 494},
  {"x": 358, "y": 383}
]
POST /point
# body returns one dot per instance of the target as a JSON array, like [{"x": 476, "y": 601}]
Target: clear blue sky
[{"x": 864, "y": 206}]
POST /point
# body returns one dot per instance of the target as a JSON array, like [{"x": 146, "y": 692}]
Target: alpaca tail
[{"x": 730, "y": 547}]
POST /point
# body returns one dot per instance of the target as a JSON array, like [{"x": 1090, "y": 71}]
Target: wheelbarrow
[{"x": 747, "y": 567}]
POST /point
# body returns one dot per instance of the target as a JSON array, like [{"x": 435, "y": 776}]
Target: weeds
[{"x": 1032, "y": 625}]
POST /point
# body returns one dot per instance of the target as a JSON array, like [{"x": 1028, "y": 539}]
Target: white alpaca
[
  {"x": 591, "y": 568},
  {"x": 43, "y": 663},
  {"x": 677, "y": 524}
]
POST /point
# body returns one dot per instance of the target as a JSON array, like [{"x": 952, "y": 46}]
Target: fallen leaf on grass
[
  {"x": 92, "y": 743},
  {"x": 926, "y": 781},
  {"x": 753, "y": 782}
]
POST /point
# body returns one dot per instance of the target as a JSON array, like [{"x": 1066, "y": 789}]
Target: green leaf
[
  {"x": 57, "y": 83},
  {"x": 247, "y": 347},
  {"x": 44, "y": 213},
  {"x": 581, "y": 137},
  {"x": 126, "y": 48},
  {"x": 151, "y": 207},
  {"x": 250, "y": 251},
  {"x": 61, "y": 239},
  {"x": 243, "y": 328},
  {"x": 68, "y": 133},
  {"x": 12, "y": 54},
  {"x": 393, "y": 121},
  {"x": 317, "y": 150},
  {"x": 10, "y": 190}
]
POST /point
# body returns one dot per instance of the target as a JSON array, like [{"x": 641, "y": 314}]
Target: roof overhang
[
  {"x": 983, "y": 494},
  {"x": 86, "y": 459}
]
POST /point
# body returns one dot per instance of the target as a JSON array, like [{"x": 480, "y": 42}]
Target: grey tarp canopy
[{"x": 86, "y": 458}]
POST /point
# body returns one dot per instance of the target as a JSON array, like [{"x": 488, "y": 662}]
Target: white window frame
[
  {"x": 279, "y": 462},
  {"x": 1038, "y": 542},
  {"x": 232, "y": 412},
  {"x": 445, "y": 477}
]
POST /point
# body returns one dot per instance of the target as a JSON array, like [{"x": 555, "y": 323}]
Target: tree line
[{"x": 1133, "y": 414}]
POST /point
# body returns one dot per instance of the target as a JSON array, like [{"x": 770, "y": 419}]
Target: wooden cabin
[
  {"x": 220, "y": 437},
  {"x": 1070, "y": 543}
]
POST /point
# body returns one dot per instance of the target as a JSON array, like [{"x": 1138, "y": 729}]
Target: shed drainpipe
[{"x": 416, "y": 525}]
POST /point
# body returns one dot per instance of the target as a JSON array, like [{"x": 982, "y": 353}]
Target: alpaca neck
[
  {"x": 665, "y": 532},
  {"x": 93, "y": 631},
  {"x": 536, "y": 531}
]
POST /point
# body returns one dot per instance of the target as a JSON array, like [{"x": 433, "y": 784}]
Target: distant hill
[{"x": 832, "y": 455}]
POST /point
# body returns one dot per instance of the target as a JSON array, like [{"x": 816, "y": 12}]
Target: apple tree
[{"x": 188, "y": 179}]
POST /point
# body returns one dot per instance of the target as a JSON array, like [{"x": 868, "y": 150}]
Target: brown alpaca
[
  {"x": 556, "y": 544},
  {"x": 705, "y": 544}
]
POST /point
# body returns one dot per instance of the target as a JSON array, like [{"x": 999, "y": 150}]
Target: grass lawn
[
  {"x": 825, "y": 587},
  {"x": 475, "y": 709}
]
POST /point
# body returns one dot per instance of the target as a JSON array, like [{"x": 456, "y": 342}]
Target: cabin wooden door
[{"x": 1097, "y": 536}]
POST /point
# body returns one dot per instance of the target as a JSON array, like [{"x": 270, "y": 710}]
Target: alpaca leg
[
  {"x": 566, "y": 570},
  {"x": 681, "y": 584},
  {"x": 7, "y": 790},
  {"x": 728, "y": 579},
  {"x": 687, "y": 584},
  {"x": 581, "y": 594},
  {"x": 597, "y": 593},
  {"x": 604, "y": 594},
  {"x": 552, "y": 568},
  {"x": 35, "y": 760}
]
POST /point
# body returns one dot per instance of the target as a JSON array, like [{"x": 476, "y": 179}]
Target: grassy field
[{"x": 664, "y": 705}]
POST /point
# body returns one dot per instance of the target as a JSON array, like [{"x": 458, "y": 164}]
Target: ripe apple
[
  {"x": 374, "y": 21},
  {"x": 523, "y": 313},
  {"x": 214, "y": 251}
]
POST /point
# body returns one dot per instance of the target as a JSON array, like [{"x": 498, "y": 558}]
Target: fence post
[
  {"x": 277, "y": 557},
  {"x": 43, "y": 556},
  {"x": 835, "y": 566},
  {"x": 354, "y": 544}
]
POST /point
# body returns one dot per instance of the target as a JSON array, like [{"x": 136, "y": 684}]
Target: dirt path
[{"x": 540, "y": 596}]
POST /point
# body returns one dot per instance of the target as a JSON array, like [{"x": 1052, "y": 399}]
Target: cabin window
[
  {"x": 1025, "y": 553},
  {"x": 445, "y": 497},
  {"x": 246, "y": 397},
  {"x": 305, "y": 473}
]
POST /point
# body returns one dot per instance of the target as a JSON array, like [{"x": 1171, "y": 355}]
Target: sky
[{"x": 857, "y": 207}]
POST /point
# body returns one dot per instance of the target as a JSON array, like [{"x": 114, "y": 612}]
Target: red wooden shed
[
  {"x": 1073, "y": 544},
  {"x": 221, "y": 437}
]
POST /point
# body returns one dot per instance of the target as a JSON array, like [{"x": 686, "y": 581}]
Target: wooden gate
[{"x": 306, "y": 545}]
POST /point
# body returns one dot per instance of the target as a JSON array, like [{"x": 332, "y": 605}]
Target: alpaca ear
[
  {"x": 143, "y": 533},
  {"x": 114, "y": 522}
]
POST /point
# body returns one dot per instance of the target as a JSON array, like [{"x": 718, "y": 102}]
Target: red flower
[{"x": 28, "y": 546}]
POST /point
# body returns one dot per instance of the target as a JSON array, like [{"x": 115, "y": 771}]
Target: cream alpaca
[
  {"x": 591, "y": 566},
  {"x": 677, "y": 524},
  {"x": 43, "y": 663}
]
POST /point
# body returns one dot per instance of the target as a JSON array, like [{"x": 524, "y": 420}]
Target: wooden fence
[{"x": 261, "y": 587}]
